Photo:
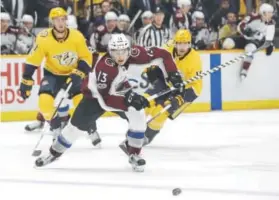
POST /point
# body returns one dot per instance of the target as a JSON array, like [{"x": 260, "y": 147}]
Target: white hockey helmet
[
  {"x": 110, "y": 16},
  {"x": 5, "y": 16},
  {"x": 27, "y": 18},
  {"x": 197, "y": 15},
  {"x": 119, "y": 48},
  {"x": 72, "y": 22},
  {"x": 124, "y": 17},
  {"x": 266, "y": 11},
  {"x": 181, "y": 3},
  {"x": 147, "y": 14},
  {"x": 266, "y": 8}
]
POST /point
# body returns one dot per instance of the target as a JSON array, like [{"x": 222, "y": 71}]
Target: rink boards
[{"x": 221, "y": 91}]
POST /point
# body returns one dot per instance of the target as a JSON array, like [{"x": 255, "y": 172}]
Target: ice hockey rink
[{"x": 217, "y": 155}]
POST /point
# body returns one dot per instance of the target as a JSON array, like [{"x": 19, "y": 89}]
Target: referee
[{"x": 156, "y": 34}]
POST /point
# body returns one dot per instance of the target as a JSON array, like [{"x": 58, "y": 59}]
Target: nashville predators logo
[{"x": 67, "y": 58}]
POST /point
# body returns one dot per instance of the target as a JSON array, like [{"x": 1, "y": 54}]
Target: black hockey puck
[{"x": 176, "y": 191}]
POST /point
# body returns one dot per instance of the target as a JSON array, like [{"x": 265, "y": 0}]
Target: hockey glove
[
  {"x": 26, "y": 87},
  {"x": 176, "y": 80},
  {"x": 135, "y": 100},
  {"x": 154, "y": 73},
  {"x": 176, "y": 102},
  {"x": 269, "y": 50},
  {"x": 76, "y": 77}
]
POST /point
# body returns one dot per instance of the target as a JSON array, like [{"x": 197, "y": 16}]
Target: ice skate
[
  {"x": 243, "y": 74},
  {"x": 35, "y": 126},
  {"x": 95, "y": 138},
  {"x": 45, "y": 160},
  {"x": 137, "y": 162}
]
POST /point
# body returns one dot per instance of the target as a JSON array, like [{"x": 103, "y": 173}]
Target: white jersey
[
  {"x": 201, "y": 38},
  {"x": 24, "y": 43},
  {"x": 261, "y": 30},
  {"x": 8, "y": 41}
]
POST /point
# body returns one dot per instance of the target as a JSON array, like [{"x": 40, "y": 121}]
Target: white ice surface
[{"x": 218, "y": 156}]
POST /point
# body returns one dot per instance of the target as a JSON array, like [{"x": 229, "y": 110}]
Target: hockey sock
[
  {"x": 46, "y": 105},
  {"x": 135, "y": 142},
  {"x": 150, "y": 134}
]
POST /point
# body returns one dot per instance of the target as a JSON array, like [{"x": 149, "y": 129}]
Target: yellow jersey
[
  {"x": 189, "y": 66},
  {"x": 60, "y": 57}
]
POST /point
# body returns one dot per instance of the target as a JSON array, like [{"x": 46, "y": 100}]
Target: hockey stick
[
  {"x": 210, "y": 71},
  {"x": 36, "y": 151},
  {"x": 159, "y": 113},
  {"x": 201, "y": 76},
  {"x": 134, "y": 20}
]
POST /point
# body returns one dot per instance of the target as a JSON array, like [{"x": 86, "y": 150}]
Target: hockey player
[
  {"x": 111, "y": 91},
  {"x": 255, "y": 31},
  {"x": 67, "y": 59},
  {"x": 25, "y": 38},
  {"x": 123, "y": 24},
  {"x": 8, "y": 35},
  {"x": 200, "y": 32},
  {"x": 99, "y": 39},
  {"x": 181, "y": 18},
  {"x": 188, "y": 61}
]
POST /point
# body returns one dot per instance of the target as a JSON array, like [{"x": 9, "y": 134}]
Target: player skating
[
  {"x": 111, "y": 91},
  {"x": 67, "y": 59},
  {"x": 189, "y": 64},
  {"x": 255, "y": 30}
]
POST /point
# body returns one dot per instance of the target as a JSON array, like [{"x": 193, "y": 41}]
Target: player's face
[
  {"x": 199, "y": 22},
  {"x": 60, "y": 24},
  {"x": 123, "y": 25},
  {"x": 146, "y": 20},
  {"x": 159, "y": 18},
  {"x": 266, "y": 17},
  {"x": 4, "y": 25},
  {"x": 111, "y": 24},
  {"x": 28, "y": 25},
  {"x": 231, "y": 18},
  {"x": 120, "y": 56},
  {"x": 182, "y": 48}
]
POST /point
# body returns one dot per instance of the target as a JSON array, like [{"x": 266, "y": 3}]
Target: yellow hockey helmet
[
  {"x": 57, "y": 12},
  {"x": 183, "y": 36}
]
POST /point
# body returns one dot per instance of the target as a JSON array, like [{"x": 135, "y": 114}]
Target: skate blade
[{"x": 137, "y": 168}]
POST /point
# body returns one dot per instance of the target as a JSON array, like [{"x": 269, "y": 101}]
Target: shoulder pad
[
  {"x": 101, "y": 28},
  {"x": 135, "y": 51}
]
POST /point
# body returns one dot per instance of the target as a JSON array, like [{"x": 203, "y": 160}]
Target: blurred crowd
[{"x": 144, "y": 22}]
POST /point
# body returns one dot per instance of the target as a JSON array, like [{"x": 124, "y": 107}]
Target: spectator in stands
[
  {"x": 142, "y": 5},
  {"x": 72, "y": 22},
  {"x": 25, "y": 38},
  {"x": 230, "y": 28},
  {"x": 157, "y": 34},
  {"x": 146, "y": 18},
  {"x": 117, "y": 7},
  {"x": 99, "y": 39},
  {"x": 181, "y": 19},
  {"x": 245, "y": 7},
  {"x": 200, "y": 32},
  {"x": 8, "y": 35},
  {"x": 125, "y": 5},
  {"x": 218, "y": 19}
]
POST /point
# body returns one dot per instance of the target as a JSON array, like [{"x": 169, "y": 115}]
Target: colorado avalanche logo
[
  {"x": 135, "y": 52},
  {"x": 66, "y": 58},
  {"x": 109, "y": 62}
]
